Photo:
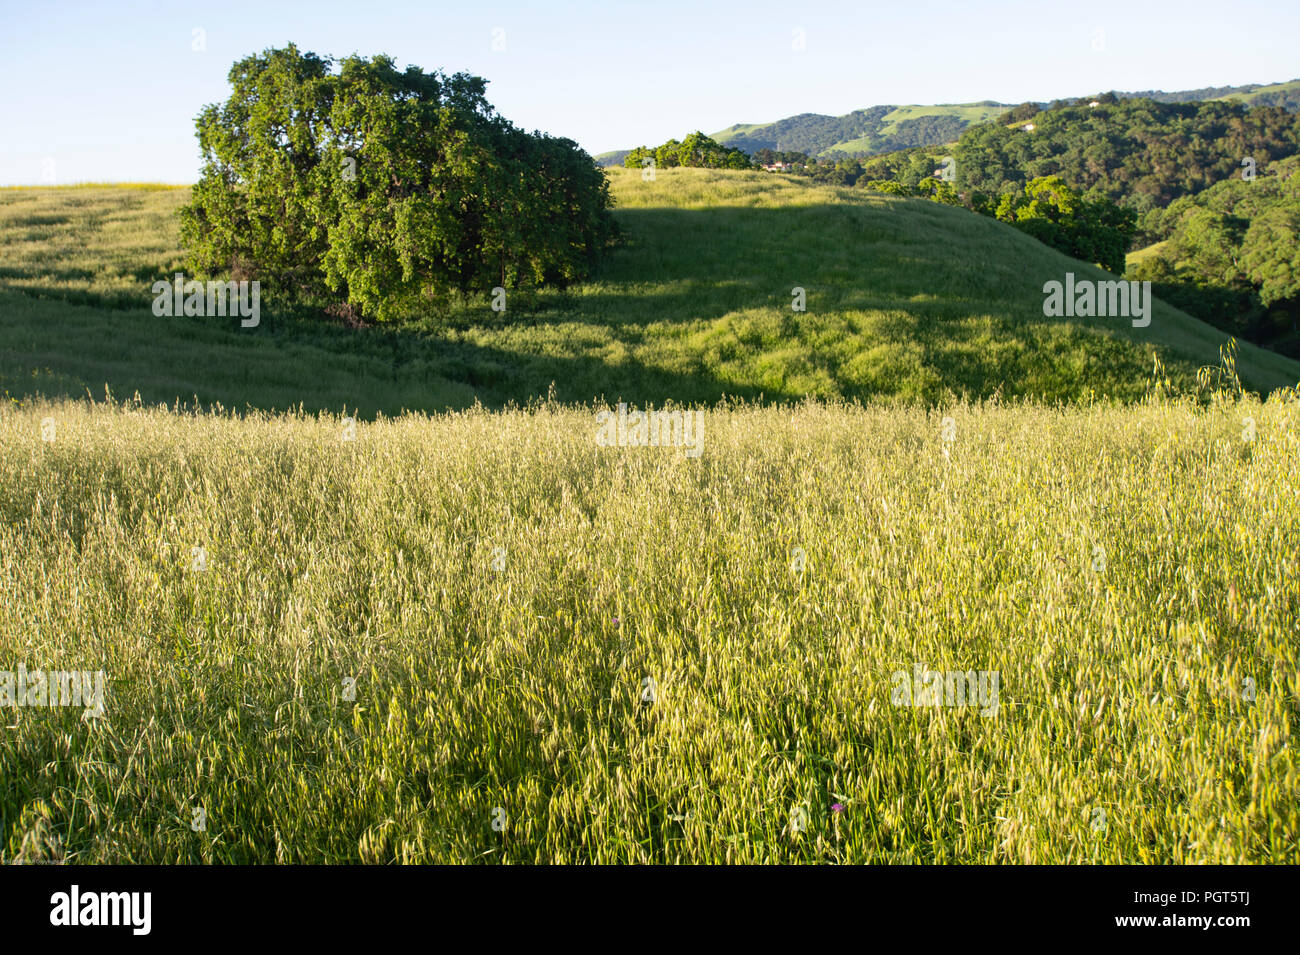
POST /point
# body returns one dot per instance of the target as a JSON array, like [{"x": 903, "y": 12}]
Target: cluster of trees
[
  {"x": 379, "y": 191},
  {"x": 1094, "y": 230},
  {"x": 933, "y": 189},
  {"x": 695, "y": 150},
  {"x": 843, "y": 171},
  {"x": 1019, "y": 114},
  {"x": 909, "y": 166},
  {"x": 1090, "y": 180},
  {"x": 1232, "y": 256},
  {"x": 1136, "y": 152},
  {"x": 794, "y": 160},
  {"x": 923, "y": 131}
]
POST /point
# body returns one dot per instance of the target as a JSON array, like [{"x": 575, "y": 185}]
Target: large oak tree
[{"x": 385, "y": 190}]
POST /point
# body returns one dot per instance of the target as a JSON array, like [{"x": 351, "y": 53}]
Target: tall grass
[{"x": 625, "y": 654}]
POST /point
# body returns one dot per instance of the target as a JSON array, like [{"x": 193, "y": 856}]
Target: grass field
[
  {"x": 479, "y": 635},
  {"x": 906, "y": 300},
  {"x": 627, "y": 654}
]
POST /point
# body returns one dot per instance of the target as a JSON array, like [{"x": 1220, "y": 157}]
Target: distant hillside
[
  {"x": 1286, "y": 95},
  {"x": 1230, "y": 257},
  {"x": 862, "y": 132},
  {"x": 1139, "y": 153},
  {"x": 613, "y": 158},
  {"x": 882, "y": 129}
]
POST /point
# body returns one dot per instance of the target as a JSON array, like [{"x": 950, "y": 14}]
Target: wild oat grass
[{"x": 1126, "y": 570}]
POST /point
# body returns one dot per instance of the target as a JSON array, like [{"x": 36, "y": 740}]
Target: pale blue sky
[{"x": 108, "y": 91}]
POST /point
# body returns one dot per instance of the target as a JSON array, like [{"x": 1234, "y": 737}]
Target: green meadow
[
  {"x": 380, "y": 595},
  {"x": 480, "y": 637},
  {"x": 905, "y": 300}
]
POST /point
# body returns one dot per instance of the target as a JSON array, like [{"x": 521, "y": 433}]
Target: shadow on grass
[
  {"x": 59, "y": 349},
  {"x": 967, "y": 324}
]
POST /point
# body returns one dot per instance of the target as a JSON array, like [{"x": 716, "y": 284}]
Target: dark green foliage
[
  {"x": 1234, "y": 310},
  {"x": 380, "y": 192},
  {"x": 1096, "y": 231},
  {"x": 1022, "y": 113},
  {"x": 1233, "y": 257},
  {"x": 1135, "y": 152},
  {"x": 695, "y": 150},
  {"x": 926, "y": 130},
  {"x": 768, "y": 157}
]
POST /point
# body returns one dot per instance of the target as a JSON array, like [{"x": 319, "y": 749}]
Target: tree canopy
[
  {"x": 1135, "y": 152},
  {"x": 384, "y": 190},
  {"x": 695, "y": 150},
  {"x": 1232, "y": 257}
]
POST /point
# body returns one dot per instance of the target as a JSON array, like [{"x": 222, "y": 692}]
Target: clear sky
[{"x": 108, "y": 91}]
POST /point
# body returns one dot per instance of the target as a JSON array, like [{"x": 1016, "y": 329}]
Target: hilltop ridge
[{"x": 885, "y": 128}]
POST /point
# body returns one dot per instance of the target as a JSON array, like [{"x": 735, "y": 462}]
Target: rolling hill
[
  {"x": 906, "y": 300},
  {"x": 1254, "y": 94},
  {"x": 881, "y": 129},
  {"x": 862, "y": 132},
  {"x": 487, "y": 637}
]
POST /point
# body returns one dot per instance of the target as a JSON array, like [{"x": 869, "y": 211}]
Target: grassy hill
[
  {"x": 906, "y": 126},
  {"x": 881, "y": 129},
  {"x": 862, "y": 132},
  {"x": 906, "y": 299},
  {"x": 1252, "y": 94},
  {"x": 614, "y": 157},
  {"x": 1273, "y": 94}
]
